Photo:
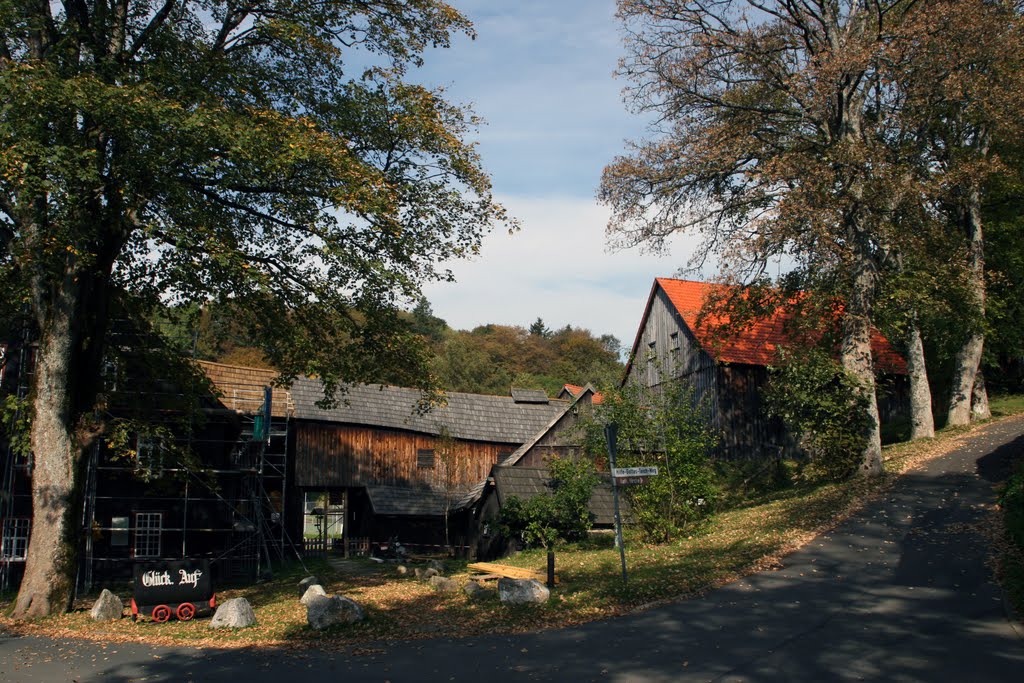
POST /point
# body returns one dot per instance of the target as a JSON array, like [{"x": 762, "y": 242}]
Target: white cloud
[{"x": 555, "y": 268}]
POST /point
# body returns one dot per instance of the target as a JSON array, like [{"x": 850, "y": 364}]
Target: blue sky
[{"x": 541, "y": 75}]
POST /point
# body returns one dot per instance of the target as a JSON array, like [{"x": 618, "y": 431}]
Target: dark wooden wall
[{"x": 334, "y": 455}]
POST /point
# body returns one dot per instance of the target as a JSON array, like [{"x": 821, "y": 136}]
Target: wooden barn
[
  {"x": 377, "y": 468},
  {"x": 728, "y": 370}
]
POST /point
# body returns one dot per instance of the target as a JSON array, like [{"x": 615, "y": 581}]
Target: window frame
[{"x": 144, "y": 534}]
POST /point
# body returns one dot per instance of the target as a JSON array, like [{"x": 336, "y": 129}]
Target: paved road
[{"x": 898, "y": 593}]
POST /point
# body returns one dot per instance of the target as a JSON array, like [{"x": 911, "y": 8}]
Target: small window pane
[
  {"x": 119, "y": 535},
  {"x": 14, "y": 545},
  {"x": 425, "y": 458},
  {"x": 147, "y": 534}
]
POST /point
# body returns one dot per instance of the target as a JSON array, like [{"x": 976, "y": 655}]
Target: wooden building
[
  {"x": 727, "y": 369},
  {"x": 379, "y": 467}
]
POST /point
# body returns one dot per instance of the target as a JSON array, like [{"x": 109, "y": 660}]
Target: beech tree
[{"x": 271, "y": 154}]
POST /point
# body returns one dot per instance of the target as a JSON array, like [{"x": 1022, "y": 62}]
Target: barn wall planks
[{"x": 331, "y": 455}]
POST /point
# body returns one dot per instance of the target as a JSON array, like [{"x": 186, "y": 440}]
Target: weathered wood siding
[
  {"x": 332, "y": 455},
  {"x": 744, "y": 430},
  {"x": 668, "y": 352}
]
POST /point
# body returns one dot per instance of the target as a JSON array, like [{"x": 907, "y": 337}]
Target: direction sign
[{"x": 634, "y": 471}]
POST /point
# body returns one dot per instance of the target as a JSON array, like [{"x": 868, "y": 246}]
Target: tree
[
  {"x": 666, "y": 429},
  {"x": 560, "y": 514},
  {"x": 539, "y": 329},
  {"x": 268, "y": 154}
]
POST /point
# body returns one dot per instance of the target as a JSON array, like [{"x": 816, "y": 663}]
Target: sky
[{"x": 540, "y": 73}]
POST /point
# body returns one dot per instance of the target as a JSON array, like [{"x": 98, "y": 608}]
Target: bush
[
  {"x": 1012, "y": 501},
  {"x": 665, "y": 430},
  {"x": 559, "y": 515},
  {"x": 824, "y": 407}
]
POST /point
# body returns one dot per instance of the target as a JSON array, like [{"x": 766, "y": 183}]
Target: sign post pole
[{"x": 611, "y": 433}]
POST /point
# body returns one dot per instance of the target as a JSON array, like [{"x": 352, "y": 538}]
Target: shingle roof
[
  {"x": 574, "y": 390},
  {"x": 758, "y": 343},
  {"x": 527, "y": 482},
  {"x": 474, "y": 417},
  {"x": 403, "y": 501}
]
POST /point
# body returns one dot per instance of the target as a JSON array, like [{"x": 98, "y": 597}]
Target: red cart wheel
[
  {"x": 161, "y": 613},
  {"x": 186, "y": 611}
]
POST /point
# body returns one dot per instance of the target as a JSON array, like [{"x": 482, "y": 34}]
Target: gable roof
[
  {"x": 571, "y": 391},
  {"x": 758, "y": 342},
  {"x": 473, "y": 417}
]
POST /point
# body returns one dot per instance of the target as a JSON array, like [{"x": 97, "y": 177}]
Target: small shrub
[
  {"x": 824, "y": 407},
  {"x": 562, "y": 514}
]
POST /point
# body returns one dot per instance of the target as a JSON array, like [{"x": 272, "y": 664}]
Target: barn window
[
  {"x": 14, "y": 545},
  {"x": 119, "y": 535},
  {"x": 651, "y": 352},
  {"x": 148, "y": 527},
  {"x": 425, "y": 458},
  {"x": 674, "y": 341}
]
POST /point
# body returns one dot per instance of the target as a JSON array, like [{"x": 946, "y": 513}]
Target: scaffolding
[{"x": 226, "y": 504}]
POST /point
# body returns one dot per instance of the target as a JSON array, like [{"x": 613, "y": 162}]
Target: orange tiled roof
[
  {"x": 575, "y": 390},
  {"x": 758, "y": 342}
]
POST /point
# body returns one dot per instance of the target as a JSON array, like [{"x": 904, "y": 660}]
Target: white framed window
[
  {"x": 148, "y": 528},
  {"x": 14, "y": 545}
]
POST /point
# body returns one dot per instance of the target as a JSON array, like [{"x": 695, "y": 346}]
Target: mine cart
[{"x": 179, "y": 588}]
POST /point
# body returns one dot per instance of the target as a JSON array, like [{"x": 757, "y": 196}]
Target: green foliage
[
  {"x": 559, "y": 515},
  {"x": 1012, "y": 501},
  {"x": 16, "y": 424},
  {"x": 666, "y": 430},
  {"x": 824, "y": 407},
  {"x": 491, "y": 358}
]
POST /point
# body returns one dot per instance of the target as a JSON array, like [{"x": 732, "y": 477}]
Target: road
[{"x": 900, "y": 592}]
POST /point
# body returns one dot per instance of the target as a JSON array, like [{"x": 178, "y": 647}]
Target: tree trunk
[
  {"x": 48, "y": 585},
  {"x": 922, "y": 423},
  {"x": 968, "y": 358},
  {"x": 979, "y": 400},
  {"x": 856, "y": 356}
]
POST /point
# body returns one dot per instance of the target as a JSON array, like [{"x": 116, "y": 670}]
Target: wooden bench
[{"x": 491, "y": 570}]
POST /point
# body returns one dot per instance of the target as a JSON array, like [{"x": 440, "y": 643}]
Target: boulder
[
  {"x": 436, "y": 565},
  {"x": 402, "y": 570},
  {"x": 324, "y": 611},
  {"x": 307, "y": 582},
  {"x": 474, "y": 591},
  {"x": 426, "y": 574},
  {"x": 522, "y": 591},
  {"x": 235, "y": 613},
  {"x": 444, "y": 584},
  {"x": 108, "y": 606},
  {"x": 312, "y": 592}
]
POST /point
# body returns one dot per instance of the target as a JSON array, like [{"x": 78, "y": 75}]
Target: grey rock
[
  {"x": 444, "y": 584},
  {"x": 402, "y": 570},
  {"x": 436, "y": 565},
  {"x": 307, "y": 582},
  {"x": 235, "y": 613},
  {"x": 108, "y": 606},
  {"x": 427, "y": 574},
  {"x": 522, "y": 591},
  {"x": 312, "y": 592},
  {"x": 474, "y": 591},
  {"x": 324, "y": 611}
]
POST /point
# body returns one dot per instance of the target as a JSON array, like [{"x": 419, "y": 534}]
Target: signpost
[
  {"x": 622, "y": 476},
  {"x": 611, "y": 435}
]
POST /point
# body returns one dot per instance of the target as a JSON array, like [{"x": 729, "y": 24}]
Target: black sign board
[{"x": 173, "y": 582}]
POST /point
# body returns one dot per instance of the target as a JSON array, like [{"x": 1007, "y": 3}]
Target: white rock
[
  {"x": 522, "y": 591},
  {"x": 108, "y": 606},
  {"x": 312, "y": 592},
  {"x": 235, "y": 613}
]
